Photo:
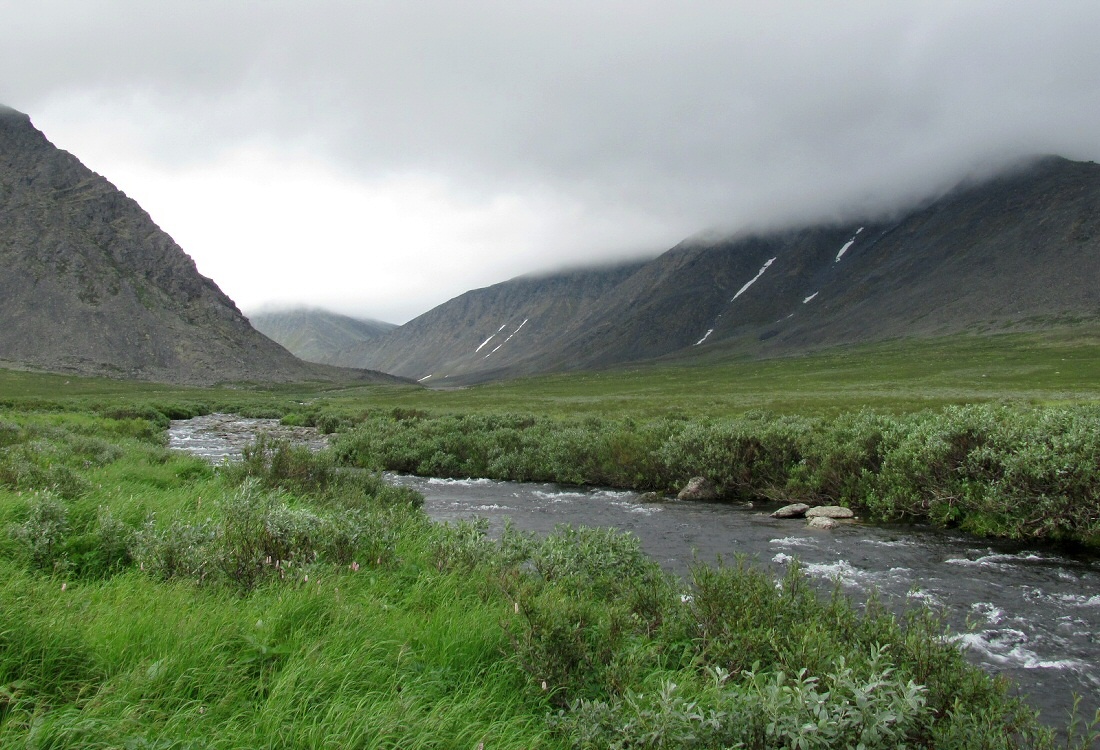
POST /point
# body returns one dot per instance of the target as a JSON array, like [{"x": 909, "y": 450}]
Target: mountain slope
[
  {"x": 497, "y": 329},
  {"x": 318, "y": 335},
  {"x": 92, "y": 286},
  {"x": 1019, "y": 250}
]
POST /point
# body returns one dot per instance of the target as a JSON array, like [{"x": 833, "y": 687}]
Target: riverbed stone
[
  {"x": 652, "y": 497},
  {"x": 794, "y": 510},
  {"x": 829, "y": 511},
  {"x": 821, "y": 522},
  {"x": 698, "y": 488}
]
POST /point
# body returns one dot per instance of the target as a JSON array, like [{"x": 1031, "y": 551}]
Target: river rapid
[{"x": 1032, "y": 615}]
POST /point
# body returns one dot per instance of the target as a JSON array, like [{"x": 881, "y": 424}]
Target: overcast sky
[{"x": 379, "y": 158}]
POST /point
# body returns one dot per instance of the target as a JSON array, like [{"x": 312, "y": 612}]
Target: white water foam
[
  {"x": 458, "y": 482},
  {"x": 753, "y": 280},
  {"x": 559, "y": 497},
  {"x": 613, "y": 494},
  {"x": 991, "y": 612},
  {"x": 1000, "y": 560},
  {"x": 1062, "y": 599},
  {"x": 891, "y": 542},
  {"x": 841, "y": 570},
  {"x": 793, "y": 541},
  {"x": 1008, "y": 646},
  {"x": 641, "y": 510},
  {"x": 927, "y": 597}
]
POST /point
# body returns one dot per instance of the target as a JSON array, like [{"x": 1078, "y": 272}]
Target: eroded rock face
[
  {"x": 91, "y": 285},
  {"x": 829, "y": 511},
  {"x": 698, "y": 488},
  {"x": 794, "y": 510}
]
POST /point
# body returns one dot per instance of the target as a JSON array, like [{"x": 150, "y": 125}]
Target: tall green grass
[{"x": 291, "y": 602}]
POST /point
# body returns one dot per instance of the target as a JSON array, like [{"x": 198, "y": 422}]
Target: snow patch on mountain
[
  {"x": 753, "y": 279},
  {"x": 705, "y": 337},
  {"x": 847, "y": 245},
  {"x": 502, "y": 343}
]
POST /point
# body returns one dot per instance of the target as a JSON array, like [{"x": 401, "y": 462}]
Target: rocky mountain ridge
[
  {"x": 91, "y": 285},
  {"x": 1019, "y": 250}
]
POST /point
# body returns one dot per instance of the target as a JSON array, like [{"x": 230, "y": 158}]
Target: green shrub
[
  {"x": 1010, "y": 471},
  {"x": 758, "y": 710},
  {"x": 41, "y": 538},
  {"x": 181, "y": 550},
  {"x": 257, "y": 535}
]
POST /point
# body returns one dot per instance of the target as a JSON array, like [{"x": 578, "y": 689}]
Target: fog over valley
[{"x": 378, "y": 159}]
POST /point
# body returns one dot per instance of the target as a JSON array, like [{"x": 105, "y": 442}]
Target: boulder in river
[
  {"x": 829, "y": 511},
  {"x": 652, "y": 497},
  {"x": 794, "y": 510},
  {"x": 821, "y": 522},
  {"x": 698, "y": 488}
]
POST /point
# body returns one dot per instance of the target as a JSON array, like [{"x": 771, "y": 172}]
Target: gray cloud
[{"x": 680, "y": 115}]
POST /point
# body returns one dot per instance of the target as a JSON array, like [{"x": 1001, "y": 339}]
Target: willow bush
[{"x": 1011, "y": 471}]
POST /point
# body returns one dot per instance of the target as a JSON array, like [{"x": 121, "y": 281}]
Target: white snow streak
[
  {"x": 502, "y": 343},
  {"x": 810, "y": 297},
  {"x": 521, "y": 325},
  {"x": 705, "y": 337},
  {"x": 423, "y": 379},
  {"x": 847, "y": 245},
  {"x": 753, "y": 280}
]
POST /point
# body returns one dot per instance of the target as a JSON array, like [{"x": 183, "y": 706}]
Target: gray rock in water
[
  {"x": 829, "y": 511},
  {"x": 794, "y": 510},
  {"x": 652, "y": 497},
  {"x": 698, "y": 488},
  {"x": 821, "y": 522}
]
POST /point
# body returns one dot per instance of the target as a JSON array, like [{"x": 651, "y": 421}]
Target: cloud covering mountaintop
[{"x": 410, "y": 151}]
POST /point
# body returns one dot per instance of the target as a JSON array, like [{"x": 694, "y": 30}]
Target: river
[{"x": 1032, "y": 615}]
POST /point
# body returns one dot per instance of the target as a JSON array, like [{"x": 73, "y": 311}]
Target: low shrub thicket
[
  {"x": 1010, "y": 471},
  {"x": 305, "y": 604},
  {"x": 631, "y": 658}
]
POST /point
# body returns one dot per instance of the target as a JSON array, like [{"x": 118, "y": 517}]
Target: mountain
[
  {"x": 1020, "y": 250},
  {"x": 494, "y": 332},
  {"x": 318, "y": 335},
  {"x": 92, "y": 286}
]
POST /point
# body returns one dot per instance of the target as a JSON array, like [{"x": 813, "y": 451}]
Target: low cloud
[{"x": 572, "y": 130}]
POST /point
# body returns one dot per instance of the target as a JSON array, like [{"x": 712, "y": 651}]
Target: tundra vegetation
[{"x": 296, "y": 600}]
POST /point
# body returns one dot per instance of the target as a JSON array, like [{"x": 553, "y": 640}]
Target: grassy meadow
[{"x": 149, "y": 600}]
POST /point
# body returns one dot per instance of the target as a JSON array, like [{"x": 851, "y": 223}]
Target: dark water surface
[{"x": 1030, "y": 614}]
